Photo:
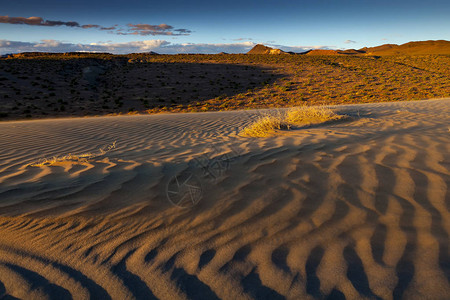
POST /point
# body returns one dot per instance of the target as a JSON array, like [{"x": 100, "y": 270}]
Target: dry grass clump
[
  {"x": 265, "y": 125},
  {"x": 305, "y": 115},
  {"x": 294, "y": 117},
  {"x": 74, "y": 158},
  {"x": 60, "y": 159}
]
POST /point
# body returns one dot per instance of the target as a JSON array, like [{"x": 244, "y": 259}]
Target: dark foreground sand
[{"x": 357, "y": 209}]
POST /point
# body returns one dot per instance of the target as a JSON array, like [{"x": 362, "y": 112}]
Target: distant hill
[
  {"x": 59, "y": 54},
  {"x": 261, "y": 49},
  {"x": 411, "y": 48},
  {"x": 333, "y": 52},
  {"x": 350, "y": 52},
  {"x": 322, "y": 52}
]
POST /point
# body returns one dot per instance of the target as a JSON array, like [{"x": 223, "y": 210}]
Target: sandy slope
[{"x": 357, "y": 208}]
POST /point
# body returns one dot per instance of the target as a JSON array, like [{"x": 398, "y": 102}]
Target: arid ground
[
  {"x": 182, "y": 207},
  {"x": 45, "y": 85}
]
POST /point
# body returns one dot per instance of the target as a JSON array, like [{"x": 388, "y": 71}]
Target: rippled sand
[{"x": 357, "y": 209}]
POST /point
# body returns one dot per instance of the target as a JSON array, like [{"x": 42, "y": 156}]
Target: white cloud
[
  {"x": 299, "y": 49},
  {"x": 209, "y": 48},
  {"x": 349, "y": 42},
  {"x": 48, "y": 44},
  {"x": 159, "y": 46},
  {"x": 137, "y": 46}
]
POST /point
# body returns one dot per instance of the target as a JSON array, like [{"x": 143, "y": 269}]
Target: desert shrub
[
  {"x": 305, "y": 115},
  {"x": 74, "y": 158},
  {"x": 300, "y": 116},
  {"x": 266, "y": 125}
]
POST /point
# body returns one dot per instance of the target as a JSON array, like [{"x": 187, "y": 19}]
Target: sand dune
[{"x": 356, "y": 209}]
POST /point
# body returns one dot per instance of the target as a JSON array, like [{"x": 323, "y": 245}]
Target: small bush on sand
[
  {"x": 73, "y": 158},
  {"x": 305, "y": 115},
  {"x": 266, "y": 125},
  {"x": 294, "y": 117}
]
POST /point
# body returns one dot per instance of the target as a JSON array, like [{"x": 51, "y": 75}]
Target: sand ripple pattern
[{"x": 357, "y": 209}]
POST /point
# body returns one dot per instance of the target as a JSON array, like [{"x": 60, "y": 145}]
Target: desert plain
[{"x": 182, "y": 206}]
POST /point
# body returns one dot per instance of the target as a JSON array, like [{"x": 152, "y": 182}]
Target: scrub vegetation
[
  {"x": 41, "y": 85},
  {"x": 289, "y": 119}
]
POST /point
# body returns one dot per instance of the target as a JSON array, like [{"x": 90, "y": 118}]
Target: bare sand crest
[{"x": 357, "y": 209}]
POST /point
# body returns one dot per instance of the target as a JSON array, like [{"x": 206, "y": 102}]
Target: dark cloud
[
  {"x": 109, "y": 28},
  {"x": 132, "y": 29},
  {"x": 61, "y": 23},
  {"x": 5, "y": 44},
  {"x": 98, "y": 27},
  {"x": 243, "y": 39},
  {"x": 90, "y": 26},
  {"x": 147, "y": 29},
  {"x": 160, "y": 27},
  {"x": 187, "y": 31},
  {"x": 37, "y": 21}
]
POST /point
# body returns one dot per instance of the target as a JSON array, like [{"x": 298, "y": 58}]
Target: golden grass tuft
[
  {"x": 61, "y": 159},
  {"x": 305, "y": 115},
  {"x": 294, "y": 117},
  {"x": 265, "y": 125},
  {"x": 74, "y": 158}
]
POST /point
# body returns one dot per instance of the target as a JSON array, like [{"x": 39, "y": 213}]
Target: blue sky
[{"x": 173, "y": 26}]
